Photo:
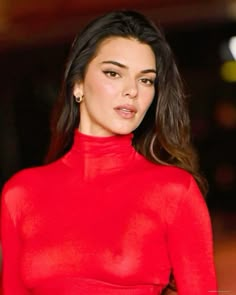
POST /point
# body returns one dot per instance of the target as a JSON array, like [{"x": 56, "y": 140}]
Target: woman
[{"x": 117, "y": 209}]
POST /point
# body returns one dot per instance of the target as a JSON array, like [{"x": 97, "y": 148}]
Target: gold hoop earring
[{"x": 78, "y": 99}]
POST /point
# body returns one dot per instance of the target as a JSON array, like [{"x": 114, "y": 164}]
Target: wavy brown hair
[{"x": 164, "y": 135}]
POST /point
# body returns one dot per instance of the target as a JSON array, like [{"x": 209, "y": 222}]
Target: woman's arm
[
  {"x": 11, "y": 277},
  {"x": 190, "y": 245}
]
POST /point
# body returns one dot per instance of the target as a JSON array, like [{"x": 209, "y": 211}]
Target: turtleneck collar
[
  {"x": 99, "y": 146},
  {"x": 100, "y": 155}
]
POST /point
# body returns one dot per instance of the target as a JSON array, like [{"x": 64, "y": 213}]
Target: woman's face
[{"x": 118, "y": 87}]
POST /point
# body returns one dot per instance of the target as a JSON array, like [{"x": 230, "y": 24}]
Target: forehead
[{"x": 126, "y": 50}]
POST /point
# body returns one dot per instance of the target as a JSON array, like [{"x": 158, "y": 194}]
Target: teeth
[{"x": 125, "y": 110}]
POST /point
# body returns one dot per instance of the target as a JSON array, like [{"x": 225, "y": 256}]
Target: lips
[
  {"x": 127, "y": 108},
  {"x": 126, "y": 111}
]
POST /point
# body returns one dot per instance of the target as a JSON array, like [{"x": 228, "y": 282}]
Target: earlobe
[{"x": 78, "y": 90}]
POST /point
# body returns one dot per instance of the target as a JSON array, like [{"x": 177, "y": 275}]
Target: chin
[{"x": 123, "y": 131}]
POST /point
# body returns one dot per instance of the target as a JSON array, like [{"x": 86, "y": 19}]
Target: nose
[{"x": 131, "y": 89}]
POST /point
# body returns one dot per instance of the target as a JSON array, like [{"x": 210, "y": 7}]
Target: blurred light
[
  {"x": 227, "y": 49},
  {"x": 225, "y": 52},
  {"x": 228, "y": 71},
  {"x": 232, "y": 46},
  {"x": 225, "y": 114}
]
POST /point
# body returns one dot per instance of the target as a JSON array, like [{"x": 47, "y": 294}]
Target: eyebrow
[{"x": 125, "y": 67}]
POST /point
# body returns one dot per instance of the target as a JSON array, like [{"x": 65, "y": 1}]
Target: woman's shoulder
[
  {"x": 168, "y": 174},
  {"x": 22, "y": 178},
  {"x": 178, "y": 189},
  {"x": 174, "y": 172},
  {"x": 172, "y": 182},
  {"x": 17, "y": 190},
  {"x": 20, "y": 183},
  {"x": 28, "y": 180}
]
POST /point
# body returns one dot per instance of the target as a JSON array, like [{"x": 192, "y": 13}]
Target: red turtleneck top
[{"x": 104, "y": 220}]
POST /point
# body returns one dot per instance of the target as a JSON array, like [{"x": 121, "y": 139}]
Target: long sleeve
[
  {"x": 87, "y": 224},
  {"x": 190, "y": 245},
  {"x": 12, "y": 282}
]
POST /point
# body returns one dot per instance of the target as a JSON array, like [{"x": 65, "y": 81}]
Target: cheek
[
  {"x": 100, "y": 89},
  {"x": 149, "y": 98}
]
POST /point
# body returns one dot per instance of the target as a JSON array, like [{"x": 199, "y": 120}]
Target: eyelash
[
  {"x": 113, "y": 74},
  {"x": 147, "y": 81}
]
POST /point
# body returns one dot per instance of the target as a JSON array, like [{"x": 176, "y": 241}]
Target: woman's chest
[{"x": 111, "y": 229}]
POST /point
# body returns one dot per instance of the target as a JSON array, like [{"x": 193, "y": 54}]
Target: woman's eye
[
  {"x": 111, "y": 74},
  {"x": 147, "y": 81}
]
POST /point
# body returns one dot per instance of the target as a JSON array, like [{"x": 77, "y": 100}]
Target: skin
[{"x": 117, "y": 88}]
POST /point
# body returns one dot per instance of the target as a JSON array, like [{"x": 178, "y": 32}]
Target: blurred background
[{"x": 35, "y": 37}]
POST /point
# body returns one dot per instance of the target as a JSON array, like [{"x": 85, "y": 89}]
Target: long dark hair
[{"x": 164, "y": 134}]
